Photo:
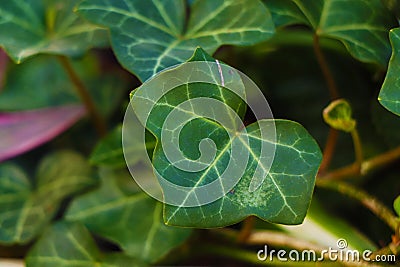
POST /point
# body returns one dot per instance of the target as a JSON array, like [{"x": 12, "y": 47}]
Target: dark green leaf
[
  {"x": 285, "y": 192},
  {"x": 25, "y": 211},
  {"x": 18, "y": 93},
  {"x": 109, "y": 151},
  {"x": 136, "y": 219},
  {"x": 149, "y": 36},
  {"x": 338, "y": 115},
  {"x": 49, "y": 26},
  {"x": 71, "y": 245},
  {"x": 283, "y": 197},
  {"x": 396, "y": 205},
  {"x": 361, "y": 26},
  {"x": 389, "y": 96}
]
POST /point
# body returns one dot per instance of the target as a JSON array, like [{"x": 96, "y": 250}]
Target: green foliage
[
  {"x": 396, "y": 205},
  {"x": 25, "y": 208},
  {"x": 283, "y": 197},
  {"x": 339, "y": 116},
  {"x": 135, "y": 217},
  {"x": 360, "y": 25},
  {"x": 70, "y": 244},
  {"x": 285, "y": 192},
  {"x": 161, "y": 39},
  {"x": 109, "y": 151},
  {"x": 18, "y": 93},
  {"x": 390, "y": 93},
  {"x": 72, "y": 202},
  {"x": 49, "y": 27}
]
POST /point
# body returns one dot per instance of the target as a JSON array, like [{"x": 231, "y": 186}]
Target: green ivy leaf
[
  {"x": 389, "y": 96},
  {"x": 24, "y": 210},
  {"x": 285, "y": 193},
  {"x": 70, "y": 245},
  {"x": 283, "y": 197},
  {"x": 17, "y": 94},
  {"x": 136, "y": 219},
  {"x": 149, "y": 36},
  {"x": 361, "y": 26},
  {"x": 109, "y": 152},
  {"x": 338, "y": 115},
  {"x": 50, "y": 26},
  {"x": 396, "y": 205}
]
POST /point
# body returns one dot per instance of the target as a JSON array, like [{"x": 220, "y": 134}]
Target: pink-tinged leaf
[{"x": 25, "y": 130}]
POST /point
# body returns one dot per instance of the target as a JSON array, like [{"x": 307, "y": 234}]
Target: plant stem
[
  {"x": 84, "y": 95},
  {"x": 333, "y": 91},
  {"x": 368, "y": 201},
  {"x": 380, "y": 161},
  {"x": 325, "y": 68},
  {"x": 392, "y": 249},
  {"x": 329, "y": 149},
  {"x": 367, "y": 166},
  {"x": 357, "y": 148},
  {"x": 247, "y": 227}
]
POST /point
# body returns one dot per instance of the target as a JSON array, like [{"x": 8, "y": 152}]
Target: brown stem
[
  {"x": 368, "y": 201},
  {"x": 325, "y": 68},
  {"x": 245, "y": 232},
  {"x": 357, "y": 147},
  {"x": 367, "y": 166},
  {"x": 84, "y": 95},
  {"x": 344, "y": 172},
  {"x": 392, "y": 249},
  {"x": 329, "y": 149},
  {"x": 380, "y": 161}
]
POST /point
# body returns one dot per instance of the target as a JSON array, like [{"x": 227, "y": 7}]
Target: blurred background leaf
[
  {"x": 48, "y": 26},
  {"x": 27, "y": 207},
  {"x": 70, "y": 244}
]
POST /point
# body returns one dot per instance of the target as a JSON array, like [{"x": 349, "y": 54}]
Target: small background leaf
[
  {"x": 49, "y": 26},
  {"x": 389, "y": 96},
  {"x": 26, "y": 209},
  {"x": 70, "y": 245},
  {"x": 361, "y": 26},
  {"x": 338, "y": 115},
  {"x": 28, "y": 87},
  {"x": 396, "y": 205},
  {"x": 136, "y": 219},
  {"x": 109, "y": 152}
]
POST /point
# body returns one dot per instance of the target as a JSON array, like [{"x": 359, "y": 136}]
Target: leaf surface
[
  {"x": 362, "y": 26},
  {"x": 396, "y": 205},
  {"x": 149, "y": 36},
  {"x": 50, "y": 26},
  {"x": 71, "y": 245},
  {"x": 18, "y": 134},
  {"x": 136, "y": 219},
  {"x": 338, "y": 115},
  {"x": 24, "y": 209},
  {"x": 389, "y": 95},
  {"x": 109, "y": 152},
  {"x": 106, "y": 89},
  {"x": 285, "y": 191}
]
